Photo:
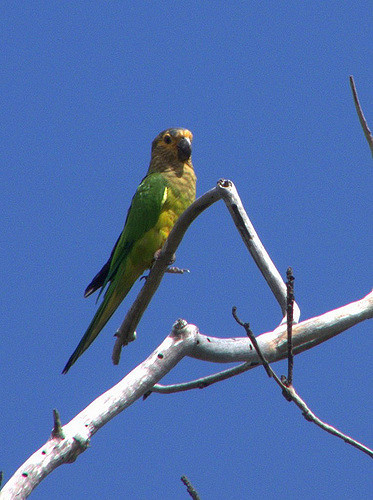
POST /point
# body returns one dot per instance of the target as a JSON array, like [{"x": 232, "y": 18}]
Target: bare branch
[
  {"x": 311, "y": 417},
  {"x": 289, "y": 324},
  {"x": 363, "y": 122},
  {"x": 190, "y": 488},
  {"x": 78, "y": 432},
  {"x": 225, "y": 189},
  {"x": 290, "y": 394},
  {"x": 254, "y": 342},
  {"x": 203, "y": 382},
  {"x": 256, "y": 248},
  {"x": 273, "y": 345},
  {"x": 69, "y": 441}
]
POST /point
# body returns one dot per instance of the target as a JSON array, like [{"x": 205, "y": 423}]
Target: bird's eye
[{"x": 167, "y": 139}]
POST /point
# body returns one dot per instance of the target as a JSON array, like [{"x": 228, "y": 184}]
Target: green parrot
[{"x": 167, "y": 190}]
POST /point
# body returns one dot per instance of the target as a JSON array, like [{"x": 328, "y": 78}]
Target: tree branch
[
  {"x": 69, "y": 441},
  {"x": 256, "y": 248},
  {"x": 289, "y": 324},
  {"x": 77, "y": 433},
  {"x": 203, "y": 382},
  {"x": 306, "y": 335},
  {"x": 290, "y": 394},
  {"x": 225, "y": 189},
  {"x": 190, "y": 488},
  {"x": 273, "y": 345},
  {"x": 360, "y": 114}
]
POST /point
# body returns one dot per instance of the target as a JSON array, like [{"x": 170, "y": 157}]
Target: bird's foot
[
  {"x": 171, "y": 269},
  {"x": 156, "y": 256}
]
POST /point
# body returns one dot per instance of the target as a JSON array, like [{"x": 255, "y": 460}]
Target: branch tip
[
  {"x": 179, "y": 325},
  {"x": 57, "y": 431},
  {"x": 360, "y": 114},
  {"x": 224, "y": 183},
  {"x": 190, "y": 488}
]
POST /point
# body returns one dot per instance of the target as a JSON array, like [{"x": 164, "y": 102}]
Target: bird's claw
[{"x": 176, "y": 270}]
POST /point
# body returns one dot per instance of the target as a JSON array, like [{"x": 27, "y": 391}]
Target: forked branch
[
  {"x": 274, "y": 345},
  {"x": 225, "y": 190},
  {"x": 69, "y": 441},
  {"x": 290, "y": 393}
]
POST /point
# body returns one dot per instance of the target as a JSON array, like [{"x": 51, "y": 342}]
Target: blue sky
[{"x": 264, "y": 88}]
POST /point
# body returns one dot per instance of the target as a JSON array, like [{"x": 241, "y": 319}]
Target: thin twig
[
  {"x": 251, "y": 336},
  {"x": 311, "y": 417},
  {"x": 363, "y": 122},
  {"x": 290, "y": 394},
  {"x": 253, "y": 340},
  {"x": 290, "y": 309},
  {"x": 203, "y": 382},
  {"x": 190, "y": 488}
]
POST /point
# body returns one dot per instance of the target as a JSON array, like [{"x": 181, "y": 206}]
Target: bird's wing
[
  {"x": 142, "y": 215},
  {"x": 100, "y": 277}
]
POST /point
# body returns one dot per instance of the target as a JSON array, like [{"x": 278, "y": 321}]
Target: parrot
[{"x": 168, "y": 188}]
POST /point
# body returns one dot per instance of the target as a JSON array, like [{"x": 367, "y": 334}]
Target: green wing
[{"x": 142, "y": 215}]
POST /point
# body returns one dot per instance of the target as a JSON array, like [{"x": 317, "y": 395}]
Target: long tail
[{"x": 113, "y": 297}]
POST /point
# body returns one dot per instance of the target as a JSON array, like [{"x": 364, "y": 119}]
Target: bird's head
[{"x": 172, "y": 148}]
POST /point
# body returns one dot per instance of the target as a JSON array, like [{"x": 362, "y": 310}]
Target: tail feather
[{"x": 113, "y": 297}]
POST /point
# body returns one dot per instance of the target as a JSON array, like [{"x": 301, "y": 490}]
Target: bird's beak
[{"x": 184, "y": 149}]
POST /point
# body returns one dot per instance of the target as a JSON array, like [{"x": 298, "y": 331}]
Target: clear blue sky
[{"x": 264, "y": 87}]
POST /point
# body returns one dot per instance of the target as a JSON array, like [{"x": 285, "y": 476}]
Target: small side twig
[
  {"x": 289, "y": 315},
  {"x": 190, "y": 488},
  {"x": 57, "y": 431},
  {"x": 290, "y": 394},
  {"x": 253, "y": 340},
  {"x": 363, "y": 122},
  {"x": 202, "y": 382}
]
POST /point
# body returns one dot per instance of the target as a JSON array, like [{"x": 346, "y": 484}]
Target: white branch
[
  {"x": 78, "y": 432},
  {"x": 225, "y": 189},
  {"x": 273, "y": 345},
  {"x": 360, "y": 114},
  {"x": 69, "y": 441}
]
